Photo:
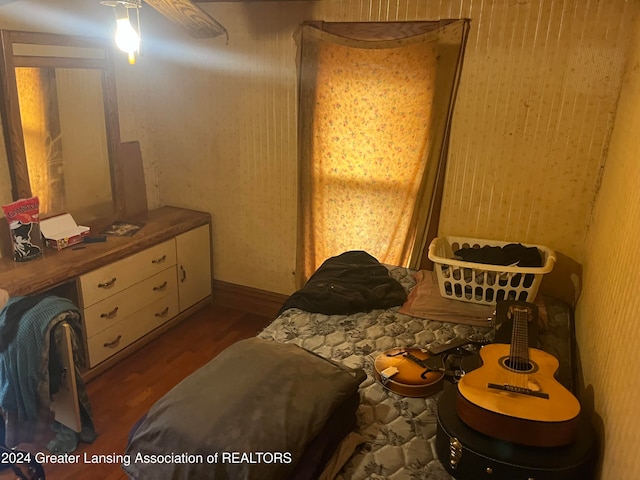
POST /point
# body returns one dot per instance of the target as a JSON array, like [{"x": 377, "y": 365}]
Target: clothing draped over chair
[{"x": 30, "y": 371}]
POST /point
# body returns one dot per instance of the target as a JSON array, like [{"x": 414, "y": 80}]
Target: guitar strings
[{"x": 519, "y": 350}]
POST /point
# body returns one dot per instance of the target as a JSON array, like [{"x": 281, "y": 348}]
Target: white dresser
[
  {"x": 129, "y": 289},
  {"x": 125, "y": 300},
  {"x": 126, "y": 287}
]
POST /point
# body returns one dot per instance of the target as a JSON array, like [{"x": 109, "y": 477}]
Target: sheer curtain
[{"x": 375, "y": 104}]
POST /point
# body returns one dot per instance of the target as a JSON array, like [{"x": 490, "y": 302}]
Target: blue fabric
[
  {"x": 24, "y": 366},
  {"x": 25, "y": 362}
]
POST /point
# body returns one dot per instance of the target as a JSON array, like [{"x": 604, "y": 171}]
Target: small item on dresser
[
  {"x": 62, "y": 231},
  {"x": 95, "y": 239},
  {"x": 122, "y": 229},
  {"x": 24, "y": 223}
]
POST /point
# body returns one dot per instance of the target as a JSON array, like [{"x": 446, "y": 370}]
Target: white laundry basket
[{"x": 485, "y": 283}]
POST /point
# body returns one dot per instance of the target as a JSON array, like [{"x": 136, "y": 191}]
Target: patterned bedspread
[{"x": 399, "y": 432}]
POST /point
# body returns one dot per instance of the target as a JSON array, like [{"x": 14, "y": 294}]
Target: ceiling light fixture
[{"x": 127, "y": 38}]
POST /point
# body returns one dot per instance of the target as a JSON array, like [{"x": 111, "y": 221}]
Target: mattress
[{"x": 399, "y": 432}]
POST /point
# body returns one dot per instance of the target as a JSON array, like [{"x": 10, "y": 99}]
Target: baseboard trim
[{"x": 249, "y": 299}]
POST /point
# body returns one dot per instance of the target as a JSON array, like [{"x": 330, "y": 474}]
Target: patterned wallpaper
[
  {"x": 607, "y": 314},
  {"x": 217, "y": 121},
  {"x": 538, "y": 99},
  {"x": 536, "y": 105},
  {"x": 540, "y": 88}
]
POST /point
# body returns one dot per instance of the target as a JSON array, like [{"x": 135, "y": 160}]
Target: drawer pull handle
[
  {"x": 163, "y": 313},
  {"x": 160, "y": 259},
  {"x": 113, "y": 343},
  {"x": 107, "y": 284},
  {"x": 110, "y": 314},
  {"x": 184, "y": 274},
  {"x": 160, "y": 287}
]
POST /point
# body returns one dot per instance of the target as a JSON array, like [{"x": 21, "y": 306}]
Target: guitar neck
[
  {"x": 452, "y": 345},
  {"x": 520, "y": 333}
]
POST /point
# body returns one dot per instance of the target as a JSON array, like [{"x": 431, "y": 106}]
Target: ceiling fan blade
[{"x": 197, "y": 22}]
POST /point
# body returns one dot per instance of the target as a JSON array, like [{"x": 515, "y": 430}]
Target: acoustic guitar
[{"x": 514, "y": 396}]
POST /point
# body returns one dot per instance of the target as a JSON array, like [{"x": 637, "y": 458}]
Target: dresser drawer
[
  {"x": 113, "y": 309},
  {"x": 113, "y": 339},
  {"x": 111, "y": 279}
]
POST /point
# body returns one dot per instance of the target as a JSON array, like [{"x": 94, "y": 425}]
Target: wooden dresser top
[{"x": 57, "y": 267}]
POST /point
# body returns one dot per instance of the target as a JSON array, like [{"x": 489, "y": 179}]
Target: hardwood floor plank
[{"x": 122, "y": 394}]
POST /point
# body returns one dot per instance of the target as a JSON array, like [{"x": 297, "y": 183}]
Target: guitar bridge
[
  {"x": 521, "y": 390},
  {"x": 387, "y": 373}
]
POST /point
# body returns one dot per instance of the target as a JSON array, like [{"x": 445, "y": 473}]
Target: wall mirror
[{"x": 60, "y": 120}]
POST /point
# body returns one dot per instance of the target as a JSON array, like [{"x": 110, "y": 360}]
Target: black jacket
[{"x": 348, "y": 283}]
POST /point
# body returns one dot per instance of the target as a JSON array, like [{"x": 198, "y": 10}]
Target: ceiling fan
[{"x": 197, "y": 22}]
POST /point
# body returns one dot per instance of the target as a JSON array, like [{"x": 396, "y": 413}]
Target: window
[{"x": 373, "y": 118}]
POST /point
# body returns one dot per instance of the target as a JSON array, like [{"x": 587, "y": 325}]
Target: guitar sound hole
[{"x": 518, "y": 364}]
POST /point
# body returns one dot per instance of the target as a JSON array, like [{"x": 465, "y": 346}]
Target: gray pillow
[{"x": 247, "y": 414}]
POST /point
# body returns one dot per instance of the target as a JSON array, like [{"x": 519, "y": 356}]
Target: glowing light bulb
[{"x": 127, "y": 39}]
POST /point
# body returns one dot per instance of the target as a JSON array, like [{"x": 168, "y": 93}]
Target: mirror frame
[{"x": 11, "y": 120}]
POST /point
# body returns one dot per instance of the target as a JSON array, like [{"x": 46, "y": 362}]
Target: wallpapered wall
[
  {"x": 607, "y": 315},
  {"x": 217, "y": 120},
  {"x": 538, "y": 98},
  {"x": 536, "y": 104}
]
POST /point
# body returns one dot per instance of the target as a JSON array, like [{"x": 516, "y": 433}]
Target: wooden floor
[{"x": 122, "y": 394}]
